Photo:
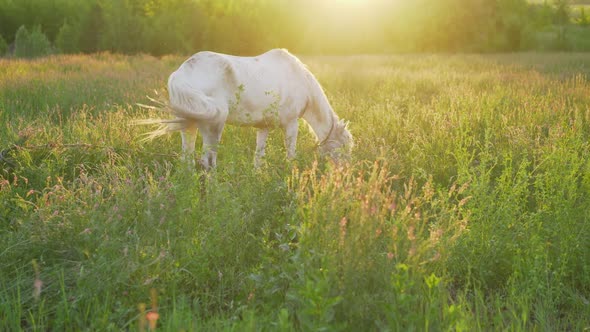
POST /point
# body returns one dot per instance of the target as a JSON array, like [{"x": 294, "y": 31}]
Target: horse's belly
[
  {"x": 262, "y": 119},
  {"x": 255, "y": 112}
]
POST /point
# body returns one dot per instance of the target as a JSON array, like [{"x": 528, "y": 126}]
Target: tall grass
[{"x": 464, "y": 207}]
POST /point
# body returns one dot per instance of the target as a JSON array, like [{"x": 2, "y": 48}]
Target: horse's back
[
  {"x": 250, "y": 86},
  {"x": 204, "y": 71},
  {"x": 269, "y": 70}
]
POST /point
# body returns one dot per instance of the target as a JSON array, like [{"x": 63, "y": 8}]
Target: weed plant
[{"x": 465, "y": 205}]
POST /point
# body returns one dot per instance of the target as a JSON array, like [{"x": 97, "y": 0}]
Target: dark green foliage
[
  {"x": 562, "y": 12},
  {"x": 67, "y": 39},
  {"x": 91, "y": 27},
  {"x": 305, "y": 26},
  {"x": 583, "y": 19},
  {"x": 580, "y": 39},
  {"x": 31, "y": 44},
  {"x": 3, "y": 46}
]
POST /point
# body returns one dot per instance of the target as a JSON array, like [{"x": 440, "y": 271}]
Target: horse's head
[{"x": 339, "y": 142}]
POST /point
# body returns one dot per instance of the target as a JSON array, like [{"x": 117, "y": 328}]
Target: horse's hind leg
[
  {"x": 261, "y": 136},
  {"x": 189, "y": 136},
  {"x": 211, "y": 137}
]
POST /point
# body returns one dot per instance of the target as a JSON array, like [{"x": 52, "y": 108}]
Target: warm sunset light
[
  {"x": 302, "y": 26},
  {"x": 295, "y": 165},
  {"x": 352, "y": 2}
]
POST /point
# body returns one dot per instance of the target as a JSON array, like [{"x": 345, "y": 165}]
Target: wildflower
[
  {"x": 4, "y": 184},
  {"x": 463, "y": 187},
  {"x": 464, "y": 201},
  {"x": 152, "y": 318},
  {"x": 37, "y": 288},
  {"x": 142, "y": 317},
  {"x": 436, "y": 256},
  {"x": 149, "y": 280},
  {"x": 392, "y": 206},
  {"x": 343, "y": 223},
  {"x": 428, "y": 191},
  {"x": 390, "y": 255},
  {"x": 452, "y": 189},
  {"x": 408, "y": 209},
  {"x": 436, "y": 235},
  {"x": 153, "y": 315},
  {"x": 411, "y": 235},
  {"x": 38, "y": 284}
]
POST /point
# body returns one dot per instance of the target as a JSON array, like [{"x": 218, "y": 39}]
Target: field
[{"x": 465, "y": 205}]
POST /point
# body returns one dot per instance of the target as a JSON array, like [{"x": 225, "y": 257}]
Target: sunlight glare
[{"x": 351, "y": 2}]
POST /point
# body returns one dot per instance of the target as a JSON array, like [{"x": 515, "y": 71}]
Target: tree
[
  {"x": 3, "y": 46},
  {"x": 562, "y": 12},
  {"x": 583, "y": 20},
  {"x": 31, "y": 44},
  {"x": 67, "y": 38},
  {"x": 91, "y": 26}
]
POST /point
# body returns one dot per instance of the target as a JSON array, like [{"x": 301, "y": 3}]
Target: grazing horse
[{"x": 270, "y": 90}]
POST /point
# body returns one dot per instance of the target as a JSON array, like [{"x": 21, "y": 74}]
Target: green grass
[{"x": 465, "y": 206}]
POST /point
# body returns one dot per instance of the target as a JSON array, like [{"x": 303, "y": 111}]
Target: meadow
[{"x": 465, "y": 205}]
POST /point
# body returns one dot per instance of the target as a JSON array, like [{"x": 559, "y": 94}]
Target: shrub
[{"x": 31, "y": 44}]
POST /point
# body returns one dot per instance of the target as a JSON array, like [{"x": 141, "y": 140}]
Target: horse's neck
[{"x": 320, "y": 117}]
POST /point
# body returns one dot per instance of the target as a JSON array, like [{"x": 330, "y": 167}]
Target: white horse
[{"x": 273, "y": 89}]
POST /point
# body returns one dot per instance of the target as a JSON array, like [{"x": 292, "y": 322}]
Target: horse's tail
[
  {"x": 188, "y": 102},
  {"x": 188, "y": 105},
  {"x": 165, "y": 126}
]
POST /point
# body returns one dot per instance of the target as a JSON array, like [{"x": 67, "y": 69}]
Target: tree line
[{"x": 251, "y": 26}]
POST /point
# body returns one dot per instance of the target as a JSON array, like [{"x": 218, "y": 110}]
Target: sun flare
[{"x": 352, "y": 3}]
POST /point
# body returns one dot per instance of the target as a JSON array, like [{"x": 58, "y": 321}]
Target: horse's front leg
[
  {"x": 291, "y": 130},
  {"x": 261, "y": 136}
]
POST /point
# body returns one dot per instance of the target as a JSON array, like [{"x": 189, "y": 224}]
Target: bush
[{"x": 30, "y": 45}]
